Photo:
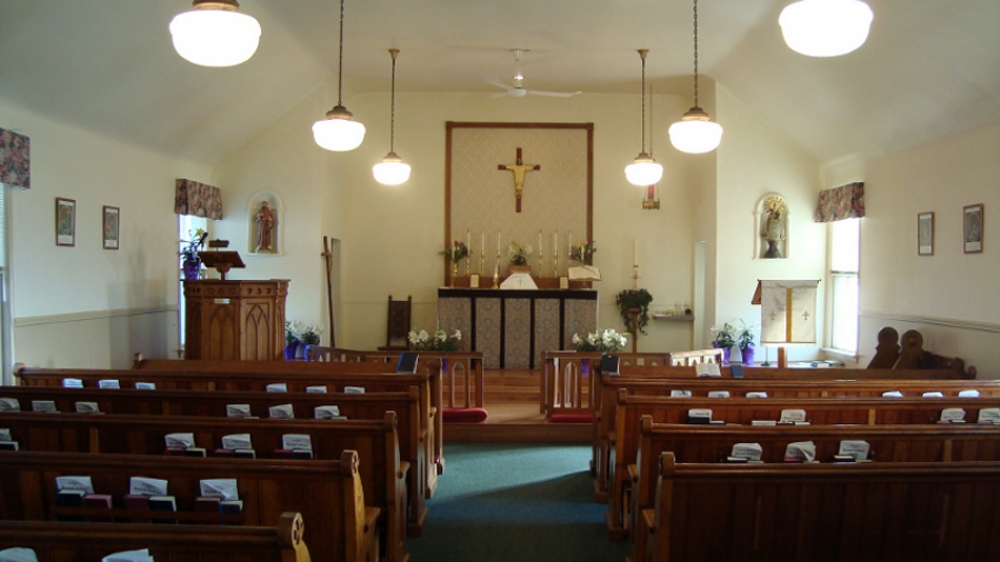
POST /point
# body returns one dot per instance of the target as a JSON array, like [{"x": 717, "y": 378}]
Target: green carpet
[{"x": 515, "y": 502}]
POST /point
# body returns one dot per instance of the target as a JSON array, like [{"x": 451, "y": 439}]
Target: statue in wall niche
[
  {"x": 772, "y": 228},
  {"x": 265, "y": 225}
]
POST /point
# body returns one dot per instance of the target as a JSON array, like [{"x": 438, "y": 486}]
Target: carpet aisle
[{"x": 515, "y": 502}]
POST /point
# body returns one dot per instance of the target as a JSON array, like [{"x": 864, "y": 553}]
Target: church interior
[{"x": 519, "y": 227}]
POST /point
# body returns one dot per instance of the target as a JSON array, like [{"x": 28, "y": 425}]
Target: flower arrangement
[
  {"x": 725, "y": 337},
  {"x": 455, "y": 252},
  {"x": 729, "y": 336},
  {"x": 630, "y": 299},
  {"x": 189, "y": 250},
  {"x": 297, "y": 331},
  {"x": 440, "y": 341},
  {"x": 583, "y": 253},
  {"x": 608, "y": 341},
  {"x": 745, "y": 336},
  {"x": 518, "y": 253}
]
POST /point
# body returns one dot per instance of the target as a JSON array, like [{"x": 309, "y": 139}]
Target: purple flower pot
[
  {"x": 291, "y": 350},
  {"x": 191, "y": 269},
  {"x": 747, "y": 355}
]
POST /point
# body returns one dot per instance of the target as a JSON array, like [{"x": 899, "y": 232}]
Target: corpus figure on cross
[{"x": 519, "y": 169}]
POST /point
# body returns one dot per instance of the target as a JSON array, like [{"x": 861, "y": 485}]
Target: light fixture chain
[
  {"x": 340, "y": 61},
  {"x": 643, "y": 103},
  {"x": 696, "y": 53},
  {"x": 392, "y": 111}
]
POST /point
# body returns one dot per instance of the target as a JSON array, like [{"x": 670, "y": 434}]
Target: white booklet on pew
[
  {"x": 145, "y": 386},
  {"x": 238, "y": 411},
  {"x": 952, "y": 415},
  {"x": 800, "y": 451},
  {"x": 296, "y": 442},
  {"x": 108, "y": 383},
  {"x": 10, "y": 405},
  {"x": 129, "y": 556},
  {"x": 87, "y": 408},
  {"x": 181, "y": 440},
  {"x": 853, "y": 449},
  {"x": 747, "y": 451},
  {"x": 989, "y": 415},
  {"x": 72, "y": 383},
  {"x": 46, "y": 406},
  {"x": 236, "y": 441},
  {"x": 281, "y": 412},
  {"x": 224, "y": 488},
  {"x": 277, "y": 387},
  {"x": 143, "y": 486},
  {"x": 329, "y": 412},
  {"x": 18, "y": 554},
  {"x": 318, "y": 389}
]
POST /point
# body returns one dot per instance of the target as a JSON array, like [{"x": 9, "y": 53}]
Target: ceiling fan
[{"x": 517, "y": 90}]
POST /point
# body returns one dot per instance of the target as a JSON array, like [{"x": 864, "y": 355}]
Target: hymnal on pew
[
  {"x": 108, "y": 383},
  {"x": 18, "y": 554},
  {"x": 72, "y": 383},
  {"x": 953, "y": 415},
  {"x": 748, "y": 451},
  {"x": 699, "y": 416},
  {"x": 407, "y": 363},
  {"x": 163, "y": 503},
  {"x": 87, "y": 408},
  {"x": 989, "y": 415},
  {"x": 129, "y": 556},
  {"x": 317, "y": 389},
  {"x": 44, "y": 406},
  {"x": 277, "y": 387},
  {"x": 800, "y": 451},
  {"x": 855, "y": 449},
  {"x": 281, "y": 412},
  {"x": 238, "y": 411},
  {"x": 10, "y": 405},
  {"x": 707, "y": 370}
]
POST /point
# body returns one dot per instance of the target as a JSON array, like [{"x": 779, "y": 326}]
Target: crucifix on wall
[{"x": 519, "y": 169}]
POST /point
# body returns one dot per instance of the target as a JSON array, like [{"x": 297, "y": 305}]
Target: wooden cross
[{"x": 519, "y": 169}]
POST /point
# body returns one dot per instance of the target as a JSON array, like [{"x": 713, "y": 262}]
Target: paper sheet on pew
[
  {"x": 718, "y": 394},
  {"x": 72, "y": 383},
  {"x": 143, "y": 486},
  {"x": 44, "y": 406},
  {"x": 856, "y": 449},
  {"x": 75, "y": 483},
  {"x": 680, "y": 394},
  {"x": 756, "y": 395},
  {"x": 109, "y": 383},
  {"x": 129, "y": 556},
  {"x": 10, "y": 405},
  {"x": 87, "y": 408},
  {"x": 952, "y": 415},
  {"x": 238, "y": 411},
  {"x": 182, "y": 440},
  {"x": 968, "y": 394},
  {"x": 296, "y": 442},
  {"x": 933, "y": 394},
  {"x": 354, "y": 390},
  {"x": 236, "y": 441},
  {"x": 318, "y": 389},
  {"x": 792, "y": 416},
  {"x": 800, "y": 451},
  {"x": 145, "y": 386},
  {"x": 747, "y": 451},
  {"x": 277, "y": 387},
  {"x": 18, "y": 554},
  {"x": 224, "y": 488},
  {"x": 329, "y": 412},
  {"x": 892, "y": 394},
  {"x": 5, "y": 434},
  {"x": 281, "y": 412},
  {"x": 989, "y": 415}
]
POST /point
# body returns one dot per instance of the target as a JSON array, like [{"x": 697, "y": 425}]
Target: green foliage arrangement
[{"x": 634, "y": 298}]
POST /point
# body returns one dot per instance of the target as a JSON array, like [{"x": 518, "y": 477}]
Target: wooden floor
[{"x": 511, "y": 399}]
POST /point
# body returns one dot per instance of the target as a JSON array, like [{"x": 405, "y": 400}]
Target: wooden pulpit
[{"x": 235, "y": 320}]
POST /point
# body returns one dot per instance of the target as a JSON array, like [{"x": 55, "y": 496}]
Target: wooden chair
[{"x": 398, "y": 325}]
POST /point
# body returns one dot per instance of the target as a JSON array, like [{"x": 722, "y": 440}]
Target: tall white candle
[
  {"x": 468, "y": 239},
  {"x": 498, "y": 242},
  {"x": 635, "y": 252},
  {"x": 569, "y": 245},
  {"x": 482, "y": 242},
  {"x": 539, "y": 241},
  {"x": 555, "y": 239}
]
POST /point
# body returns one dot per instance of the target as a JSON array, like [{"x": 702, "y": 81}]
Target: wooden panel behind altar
[{"x": 480, "y": 198}]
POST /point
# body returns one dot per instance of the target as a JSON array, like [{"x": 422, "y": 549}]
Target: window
[
  {"x": 6, "y": 337},
  {"x": 186, "y": 227},
  {"x": 844, "y": 259}
]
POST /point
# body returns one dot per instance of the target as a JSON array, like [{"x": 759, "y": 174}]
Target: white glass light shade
[
  {"x": 825, "y": 28},
  {"x": 215, "y": 37},
  {"x": 391, "y": 170},
  {"x": 644, "y": 170},
  {"x": 695, "y": 133},
  {"x": 339, "y": 132}
]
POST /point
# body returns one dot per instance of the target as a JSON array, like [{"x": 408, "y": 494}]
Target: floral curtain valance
[
  {"x": 840, "y": 203},
  {"x": 198, "y": 199},
  {"x": 15, "y": 159}
]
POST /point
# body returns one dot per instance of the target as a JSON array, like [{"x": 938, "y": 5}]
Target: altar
[{"x": 512, "y": 327}]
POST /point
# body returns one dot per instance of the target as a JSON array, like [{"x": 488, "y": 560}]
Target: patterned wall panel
[
  {"x": 581, "y": 317},
  {"x": 517, "y": 325},
  {"x": 554, "y": 197},
  {"x": 456, "y": 314},
  {"x": 488, "y": 331},
  {"x": 546, "y": 327}
]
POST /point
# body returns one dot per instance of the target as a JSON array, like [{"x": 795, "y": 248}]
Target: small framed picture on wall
[
  {"x": 972, "y": 231},
  {"x": 925, "y": 234},
  {"x": 110, "y": 230},
  {"x": 65, "y": 222}
]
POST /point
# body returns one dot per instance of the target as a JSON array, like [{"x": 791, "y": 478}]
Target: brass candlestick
[{"x": 555, "y": 263}]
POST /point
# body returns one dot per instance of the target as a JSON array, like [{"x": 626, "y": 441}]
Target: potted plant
[
  {"x": 455, "y": 253},
  {"x": 744, "y": 340},
  {"x": 725, "y": 339},
  {"x": 440, "y": 341},
  {"x": 608, "y": 341},
  {"x": 519, "y": 257},
  {"x": 190, "y": 262},
  {"x": 634, "y": 300}
]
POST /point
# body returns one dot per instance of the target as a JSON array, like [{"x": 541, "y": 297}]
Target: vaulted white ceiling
[{"x": 929, "y": 68}]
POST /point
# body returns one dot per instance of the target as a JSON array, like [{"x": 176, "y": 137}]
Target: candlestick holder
[
  {"x": 635, "y": 277},
  {"x": 454, "y": 272},
  {"x": 555, "y": 263},
  {"x": 496, "y": 280},
  {"x": 541, "y": 266}
]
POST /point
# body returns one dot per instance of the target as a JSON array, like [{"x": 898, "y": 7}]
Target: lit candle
[{"x": 635, "y": 252}]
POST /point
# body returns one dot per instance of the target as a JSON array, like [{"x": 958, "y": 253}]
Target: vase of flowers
[
  {"x": 518, "y": 258},
  {"x": 744, "y": 340},
  {"x": 583, "y": 253},
  {"x": 439, "y": 341},
  {"x": 634, "y": 301},
  {"x": 298, "y": 337},
  {"x": 190, "y": 262},
  {"x": 454, "y": 253},
  {"x": 725, "y": 338},
  {"x": 608, "y": 341}
]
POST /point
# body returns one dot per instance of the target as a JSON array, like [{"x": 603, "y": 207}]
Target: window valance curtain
[
  {"x": 15, "y": 160},
  {"x": 198, "y": 199},
  {"x": 840, "y": 203}
]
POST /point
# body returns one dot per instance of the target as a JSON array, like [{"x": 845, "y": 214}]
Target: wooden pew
[
  {"x": 372, "y": 377},
  {"x": 712, "y": 443},
  {"x": 885, "y": 512},
  {"x": 327, "y": 493},
  {"x": 382, "y": 474},
  {"x": 624, "y": 442},
  {"x": 567, "y": 378},
  {"x": 59, "y": 541},
  {"x": 608, "y": 386},
  {"x": 367, "y": 406}
]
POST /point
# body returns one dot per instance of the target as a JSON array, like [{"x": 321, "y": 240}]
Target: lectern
[{"x": 235, "y": 320}]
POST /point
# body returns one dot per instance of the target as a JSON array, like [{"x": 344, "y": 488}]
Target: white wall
[
  {"x": 951, "y": 297},
  {"x": 754, "y": 160},
  {"x": 84, "y": 305}
]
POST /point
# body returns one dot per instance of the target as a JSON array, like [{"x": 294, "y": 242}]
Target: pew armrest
[{"x": 633, "y": 473}]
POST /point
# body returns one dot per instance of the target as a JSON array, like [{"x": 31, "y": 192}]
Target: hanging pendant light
[
  {"x": 339, "y": 132},
  {"x": 825, "y": 28},
  {"x": 215, "y": 33},
  {"x": 644, "y": 170},
  {"x": 695, "y": 133},
  {"x": 392, "y": 170}
]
